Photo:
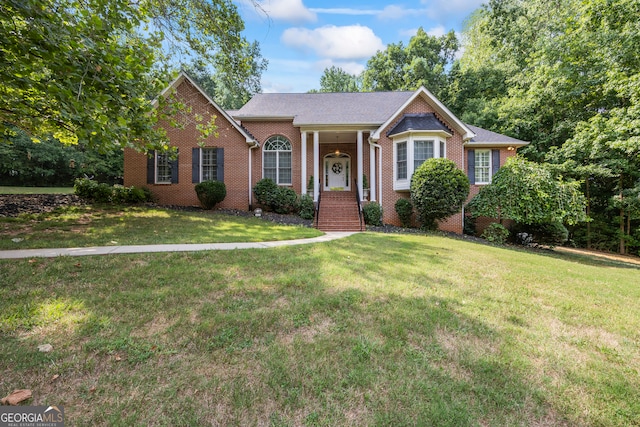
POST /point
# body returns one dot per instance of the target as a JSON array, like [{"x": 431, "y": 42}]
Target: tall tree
[
  {"x": 423, "y": 62},
  {"x": 85, "y": 70},
  {"x": 335, "y": 79}
]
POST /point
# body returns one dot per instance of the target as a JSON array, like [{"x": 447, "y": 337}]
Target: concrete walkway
[{"x": 108, "y": 250}]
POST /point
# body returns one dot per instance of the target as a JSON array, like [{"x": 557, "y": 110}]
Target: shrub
[
  {"x": 265, "y": 191},
  {"x": 438, "y": 189},
  {"x": 285, "y": 201},
  {"x": 306, "y": 207},
  {"x": 372, "y": 213},
  {"x": 496, "y": 233},
  {"x": 210, "y": 193},
  {"x": 551, "y": 234},
  {"x": 404, "y": 209},
  {"x": 104, "y": 193},
  {"x": 84, "y": 187}
]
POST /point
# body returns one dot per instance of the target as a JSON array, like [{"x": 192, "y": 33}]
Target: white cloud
[
  {"x": 285, "y": 10},
  {"x": 330, "y": 41},
  {"x": 351, "y": 67},
  {"x": 437, "y": 31}
]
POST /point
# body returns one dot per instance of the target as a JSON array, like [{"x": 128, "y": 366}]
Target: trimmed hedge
[
  {"x": 372, "y": 213},
  {"x": 210, "y": 193},
  {"x": 91, "y": 190}
]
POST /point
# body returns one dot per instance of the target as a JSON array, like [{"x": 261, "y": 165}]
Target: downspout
[
  {"x": 379, "y": 183},
  {"x": 250, "y": 175}
]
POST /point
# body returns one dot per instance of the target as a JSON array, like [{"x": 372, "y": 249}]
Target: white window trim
[
  {"x": 476, "y": 166},
  {"x": 155, "y": 172},
  {"x": 202, "y": 161},
  {"x": 404, "y": 184},
  {"x": 278, "y": 160}
]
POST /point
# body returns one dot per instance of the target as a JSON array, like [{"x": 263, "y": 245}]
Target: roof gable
[
  {"x": 173, "y": 86},
  {"x": 419, "y": 122},
  {"x": 438, "y": 106}
]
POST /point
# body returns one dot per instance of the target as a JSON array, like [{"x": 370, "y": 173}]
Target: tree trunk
[{"x": 622, "y": 233}]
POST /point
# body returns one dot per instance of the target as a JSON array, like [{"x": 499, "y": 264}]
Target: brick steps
[{"x": 338, "y": 212}]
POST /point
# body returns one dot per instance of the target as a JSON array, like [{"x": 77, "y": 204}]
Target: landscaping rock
[
  {"x": 12, "y": 205},
  {"x": 45, "y": 348}
]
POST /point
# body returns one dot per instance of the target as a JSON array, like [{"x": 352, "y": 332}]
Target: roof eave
[
  {"x": 489, "y": 144},
  {"x": 442, "y": 133}
]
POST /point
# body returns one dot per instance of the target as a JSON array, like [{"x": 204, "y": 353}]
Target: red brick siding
[{"x": 235, "y": 158}]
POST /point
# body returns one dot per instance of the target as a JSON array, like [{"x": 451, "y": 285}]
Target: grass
[
  {"x": 370, "y": 330},
  {"x": 82, "y": 226},
  {"x": 35, "y": 190}
]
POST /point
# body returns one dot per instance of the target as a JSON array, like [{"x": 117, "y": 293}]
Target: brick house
[{"x": 329, "y": 139}]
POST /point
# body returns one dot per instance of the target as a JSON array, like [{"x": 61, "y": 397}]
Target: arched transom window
[{"x": 276, "y": 162}]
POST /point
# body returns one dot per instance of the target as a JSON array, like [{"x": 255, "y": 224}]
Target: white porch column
[
  {"x": 316, "y": 165},
  {"x": 359, "y": 160},
  {"x": 303, "y": 161},
  {"x": 372, "y": 173}
]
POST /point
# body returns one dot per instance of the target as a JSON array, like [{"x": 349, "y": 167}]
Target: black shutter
[
  {"x": 195, "y": 165},
  {"x": 471, "y": 163},
  {"x": 151, "y": 167},
  {"x": 174, "y": 170},
  {"x": 220, "y": 164},
  {"x": 495, "y": 161}
]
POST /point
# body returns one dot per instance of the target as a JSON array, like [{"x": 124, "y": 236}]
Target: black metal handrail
[
  {"x": 318, "y": 207},
  {"x": 359, "y": 203}
]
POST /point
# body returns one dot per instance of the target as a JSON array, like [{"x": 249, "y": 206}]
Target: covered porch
[{"x": 335, "y": 160}]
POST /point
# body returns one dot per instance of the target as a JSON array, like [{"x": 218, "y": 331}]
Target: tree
[
  {"x": 86, "y": 70},
  {"x": 423, "y": 62},
  {"x": 528, "y": 193},
  {"x": 225, "y": 88},
  {"x": 335, "y": 79},
  {"x": 438, "y": 189}
]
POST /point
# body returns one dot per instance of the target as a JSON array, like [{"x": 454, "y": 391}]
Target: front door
[{"x": 337, "y": 172}]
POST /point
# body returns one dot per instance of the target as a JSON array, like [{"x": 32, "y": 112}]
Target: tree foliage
[
  {"x": 423, "y": 62},
  {"x": 335, "y": 79},
  {"x": 86, "y": 70},
  {"x": 529, "y": 193},
  {"x": 438, "y": 189}
]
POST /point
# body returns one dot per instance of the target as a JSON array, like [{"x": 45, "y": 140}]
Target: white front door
[{"x": 337, "y": 172}]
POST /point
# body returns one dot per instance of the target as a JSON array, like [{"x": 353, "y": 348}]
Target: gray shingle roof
[
  {"x": 484, "y": 136},
  {"x": 423, "y": 121},
  {"x": 325, "y": 108}
]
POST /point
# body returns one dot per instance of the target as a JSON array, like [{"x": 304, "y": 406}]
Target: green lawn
[
  {"x": 81, "y": 226},
  {"x": 370, "y": 330},
  {"x": 35, "y": 190}
]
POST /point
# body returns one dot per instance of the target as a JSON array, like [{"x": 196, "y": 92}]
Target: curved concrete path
[{"x": 108, "y": 250}]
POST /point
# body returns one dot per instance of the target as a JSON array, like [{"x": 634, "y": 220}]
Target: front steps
[{"x": 338, "y": 212}]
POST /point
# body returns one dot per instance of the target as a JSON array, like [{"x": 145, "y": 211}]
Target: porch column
[
  {"x": 372, "y": 173},
  {"x": 303, "y": 166},
  {"x": 316, "y": 165},
  {"x": 359, "y": 160}
]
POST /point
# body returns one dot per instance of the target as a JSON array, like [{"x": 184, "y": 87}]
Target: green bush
[
  {"x": 551, "y": 234},
  {"x": 306, "y": 207},
  {"x": 404, "y": 209},
  {"x": 285, "y": 201},
  {"x": 104, "y": 193},
  {"x": 372, "y": 213},
  {"x": 438, "y": 189},
  {"x": 496, "y": 233},
  {"x": 210, "y": 193},
  {"x": 265, "y": 191}
]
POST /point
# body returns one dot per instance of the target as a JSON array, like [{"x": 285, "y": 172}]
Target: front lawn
[
  {"x": 94, "y": 225},
  {"x": 373, "y": 329}
]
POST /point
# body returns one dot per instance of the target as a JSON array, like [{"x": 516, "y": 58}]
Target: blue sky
[{"x": 301, "y": 38}]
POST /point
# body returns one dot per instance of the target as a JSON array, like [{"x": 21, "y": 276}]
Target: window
[
  {"x": 422, "y": 150},
  {"x": 276, "y": 162},
  {"x": 483, "y": 166},
  {"x": 401, "y": 161},
  {"x": 162, "y": 168},
  {"x": 209, "y": 164},
  {"x": 412, "y": 151}
]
